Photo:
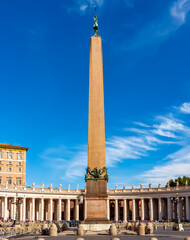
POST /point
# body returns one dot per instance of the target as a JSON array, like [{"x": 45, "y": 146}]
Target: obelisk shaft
[{"x": 96, "y": 125}]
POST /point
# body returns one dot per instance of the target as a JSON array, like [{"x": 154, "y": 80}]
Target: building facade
[{"x": 12, "y": 165}]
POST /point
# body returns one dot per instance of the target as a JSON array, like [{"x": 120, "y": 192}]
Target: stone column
[
  {"x": 134, "y": 210},
  {"x": 24, "y": 210},
  {"x": 178, "y": 209},
  {"x": 37, "y": 210},
  {"x": 2, "y": 207},
  {"x": 76, "y": 210},
  {"x": 5, "y": 209},
  {"x": 187, "y": 208},
  {"x": 30, "y": 209},
  {"x": 59, "y": 210},
  {"x": 142, "y": 209},
  {"x": 116, "y": 210},
  {"x": 151, "y": 209},
  {"x": 41, "y": 209},
  {"x": 50, "y": 210},
  {"x": 85, "y": 209},
  {"x": 12, "y": 209},
  {"x": 33, "y": 209},
  {"x": 108, "y": 209},
  {"x": 68, "y": 210},
  {"x": 21, "y": 210},
  {"x": 159, "y": 209},
  {"x": 125, "y": 210},
  {"x": 169, "y": 208}
]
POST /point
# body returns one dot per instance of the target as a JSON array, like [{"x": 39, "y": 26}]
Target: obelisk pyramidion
[{"x": 96, "y": 175}]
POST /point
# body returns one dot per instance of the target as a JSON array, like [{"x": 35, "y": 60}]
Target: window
[
  {"x": 19, "y": 163},
  {"x": 9, "y": 162},
  {"x": 9, "y": 169},
  {"x": 19, "y": 181},
  {"x": 9, "y": 155},
  {"x": 1, "y": 154},
  {"x": 0, "y": 168},
  {"x": 9, "y": 181},
  {"x": 0, "y": 180},
  {"x": 19, "y": 169},
  {"x": 19, "y": 156}
]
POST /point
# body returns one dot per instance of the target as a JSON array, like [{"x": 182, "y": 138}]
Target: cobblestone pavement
[{"x": 160, "y": 234}]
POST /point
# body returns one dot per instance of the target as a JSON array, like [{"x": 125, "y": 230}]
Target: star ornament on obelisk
[{"x": 96, "y": 176}]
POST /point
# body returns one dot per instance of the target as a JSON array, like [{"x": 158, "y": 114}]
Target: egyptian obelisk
[{"x": 96, "y": 176}]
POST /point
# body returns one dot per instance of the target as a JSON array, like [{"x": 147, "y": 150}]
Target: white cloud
[
  {"x": 169, "y": 126},
  {"x": 179, "y": 11},
  {"x": 136, "y": 144},
  {"x": 141, "y": 124},
  {"x": 177, "y": 163},
  {"x": 165, "y": 172},
  {"x": 185, "y": 108},
  {"x": 164, "y": 133},
  {"x": 158, "y": 30},
  {"x": 137, "y": 130},
  {"x": 169, "y": 123},
  {"x": 77, "y": 165},
  {"x": 83, "y": 7},
  {"x": 183, "y": 155}
]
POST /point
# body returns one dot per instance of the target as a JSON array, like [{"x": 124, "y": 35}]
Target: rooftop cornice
[{"x": 9, "y": 146}]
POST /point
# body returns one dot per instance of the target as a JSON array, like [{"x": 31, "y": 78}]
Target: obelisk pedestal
[{"x": 96, "y": 198}]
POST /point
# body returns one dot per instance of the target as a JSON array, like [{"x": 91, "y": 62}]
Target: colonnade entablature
[
  {"x": 148, "y": 190},
  {"x": 78, "y": 191},
  {"x": 50, "y": 189}
]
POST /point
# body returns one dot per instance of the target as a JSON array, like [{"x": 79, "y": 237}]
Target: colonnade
[
  {"x": 40, "y": 204},
  {"x": 167, "y": 208},
  {"x": 40, "y": 209}
]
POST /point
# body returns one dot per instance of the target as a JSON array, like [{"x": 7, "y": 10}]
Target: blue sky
[{"x": 44, "y": 67}]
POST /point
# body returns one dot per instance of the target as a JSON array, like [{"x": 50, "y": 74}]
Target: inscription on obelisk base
[{"x": 96, "y": 176}]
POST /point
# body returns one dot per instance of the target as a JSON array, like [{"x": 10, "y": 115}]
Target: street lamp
[
  {"x": 177, "y": 226},
  {"x": 17, "y": 203}
]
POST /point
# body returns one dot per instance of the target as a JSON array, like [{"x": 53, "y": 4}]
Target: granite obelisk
[{"x": 96, "y": 176}]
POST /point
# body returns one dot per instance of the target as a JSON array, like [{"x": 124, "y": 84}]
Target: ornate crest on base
[{"x": 96, "y": 174}]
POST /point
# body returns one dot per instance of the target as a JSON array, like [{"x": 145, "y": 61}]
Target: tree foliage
[{"x": 181, "y": 181}]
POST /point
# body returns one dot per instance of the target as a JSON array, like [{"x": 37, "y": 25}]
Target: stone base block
[
  {"x": 96, "y": 208},
  {"x": 95, "y": 227}
]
